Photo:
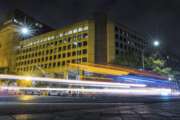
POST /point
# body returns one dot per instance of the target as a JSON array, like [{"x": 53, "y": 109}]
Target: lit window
[
  {"x": 80, "y": 29},
  {"x": 86, "y": 28},
  {"x": 49, "y": 38},
  {"x": 52, "y": 37},
  {"x": 70, "y": 32},
  {"x": 60, "y": 34},
  {"x": 65, "y": 33},
  {"x": 75, "y": 31}
]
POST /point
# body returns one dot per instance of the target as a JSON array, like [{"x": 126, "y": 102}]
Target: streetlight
[
  {"x": 25, "y": 31},
  {"x": 156, "y": 43}
]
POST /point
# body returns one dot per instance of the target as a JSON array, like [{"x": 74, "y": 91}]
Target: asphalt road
[{"x": 90, "y": 108}]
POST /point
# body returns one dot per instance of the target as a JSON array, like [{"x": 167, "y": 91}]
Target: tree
[
  {"x": 157, "y": 65},
  {"x": 128, "y": 59}
]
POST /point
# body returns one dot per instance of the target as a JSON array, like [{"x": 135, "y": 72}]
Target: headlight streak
[
  {"x": 132, "y": 91},
  {"x": 75, "y": 82}
]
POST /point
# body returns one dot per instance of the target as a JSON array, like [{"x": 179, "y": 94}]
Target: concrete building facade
[{"x": 96, "y": 41}]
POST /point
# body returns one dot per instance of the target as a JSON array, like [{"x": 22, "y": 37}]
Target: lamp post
[{"x": 156, "y": 43}]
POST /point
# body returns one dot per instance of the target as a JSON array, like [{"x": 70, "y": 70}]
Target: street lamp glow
[
  {"x": 156, "y": 43},
  {"x": 25, "y": 31}
]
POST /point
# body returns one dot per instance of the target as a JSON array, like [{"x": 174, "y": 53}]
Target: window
[
  {"x": 49, "y": 65},
  {"x": 68, "y": 54},
  {"x": 116, "y": 29},
  {"x": 74, "y": 53},
  {"x": 84, "y": 59},
  {"x": 42, "y": 59},
  {"x": 69, "y": 39},
  {"x": 51, "y": 51},
  {"x": 54, "y": 64},
  {"x": 69, "y": 47},
  {"x": 75, "y": 31},
  {"x": 64, "y": 55},
  {"x": 117, "y": 52},
  {"x": 50, "y": 58},
  {"x": 117, "y": 44},
  {"x": 58, "y": 64},
  {"x": 55, "y": 43},
  {"x": 79, "y": 52},
  {"x": 46, "y": 58},
  {"x": 59, "y": 56},
  {"x": 80, "y": 29},
  {"x": 64, "y": 47},
  {"x": 85, "y": 35},
  {"x": 86, "y": 28},
  {"x": 47, "y": 51},
  {"x": 116, "y": 36},
  {"x": 73, "y": 61},
  {"x": 59, "y": 49},
  {"x": 54, "y": 57},
  {"x": 63, "y": 63},
  {"x": 85, "y": 43},
  {"x": 79, "y": 44},
  {"x": 84, "y": 51},
  {"x": 79, "y": 36}
]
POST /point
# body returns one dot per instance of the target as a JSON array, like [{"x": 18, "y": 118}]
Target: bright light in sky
[
  {"x": 25, "y": 30},
  {"x": 156, "y": 43}
]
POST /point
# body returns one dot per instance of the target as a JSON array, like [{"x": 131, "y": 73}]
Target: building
[
  {"x": 97, "y": 41},
  {"x": 11, "y": 36}
]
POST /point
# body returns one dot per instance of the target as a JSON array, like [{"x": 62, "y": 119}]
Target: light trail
[
  {"x": 132, "y": 91},
  {"x": 76, "y": 82}
]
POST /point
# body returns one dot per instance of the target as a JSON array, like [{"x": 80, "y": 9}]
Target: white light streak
[
  {"x": 75, "y": 82},
  {"x": 132, "y": 91}
]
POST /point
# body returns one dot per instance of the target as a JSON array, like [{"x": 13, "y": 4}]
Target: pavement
[{"x": 90, "y": 108}]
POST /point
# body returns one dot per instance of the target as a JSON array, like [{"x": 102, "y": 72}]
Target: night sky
[{"x": 157, "y": 19}]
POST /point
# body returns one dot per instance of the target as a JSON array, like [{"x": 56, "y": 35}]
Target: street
[{"x": 90, "y": 108}]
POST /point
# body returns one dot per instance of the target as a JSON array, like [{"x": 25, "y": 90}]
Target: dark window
[
  {"x": 73, "y": 61},
  {"x": 116, "y": 36},
  {"x": 64, "y": 47},
  {"x": 74, "y": 53},
  {"x": 84, "y": 51},
  {"x": 85, "y": 43},
  {"x": 60, "y": 41},
  {"x": 58, "y": 64},
  {"x": 55, "y": 43},
  {"x": 59, "y": 49},
  {"x": 69, "y": 47},
  {"x": 79, "y": 44},
  {"x": 117, "y": 52},
  {"x": 63, "y": 63},
  {"x": 84, "y": 59},
  {"x": 51, "y": 51},
  {"x": 69, "y": 39},
  {"x": 64, "y": 55},
  {"x": 68, "y": 54},
  {"x": 54, "y": 64},
  {"x": 47, "y": 51},
  {"x": 49, "y": 65},
  {"x": 116, "y": 29},
  {"x": 50, "y": 58},
  {"x": 59, "y": 56},
  {"x": 54, "y": 57},
  {"x": 117, "y": 44}
]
